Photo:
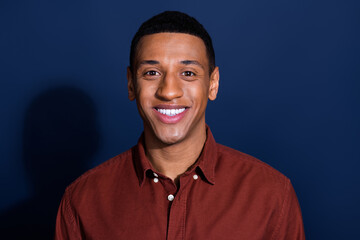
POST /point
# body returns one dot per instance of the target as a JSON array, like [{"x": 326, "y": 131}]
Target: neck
[{"x": 172, "y": 160}]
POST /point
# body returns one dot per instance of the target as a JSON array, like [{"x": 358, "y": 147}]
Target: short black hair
[{"x": 173, "y": 22}]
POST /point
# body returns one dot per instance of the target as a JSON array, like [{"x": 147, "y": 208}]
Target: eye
[
  {"x": 151, "y": 73},
  {"x": 188, "y": 74}
]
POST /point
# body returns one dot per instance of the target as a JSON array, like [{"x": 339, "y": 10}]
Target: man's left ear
[{"x": 214, "y": 84}]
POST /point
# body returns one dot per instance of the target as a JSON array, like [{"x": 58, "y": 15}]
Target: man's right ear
[{"x": 130, "y": 85}]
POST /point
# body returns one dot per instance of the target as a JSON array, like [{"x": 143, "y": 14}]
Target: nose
[{"x": 169, "y": 88}]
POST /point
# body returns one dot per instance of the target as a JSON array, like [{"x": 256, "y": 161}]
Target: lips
[{"x": 170, "y": 114}]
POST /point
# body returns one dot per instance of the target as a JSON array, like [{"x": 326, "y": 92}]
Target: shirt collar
[{"x": 205, "y": 163}]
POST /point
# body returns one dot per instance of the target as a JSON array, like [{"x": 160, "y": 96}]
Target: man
[{"x": 177, "y": 182}]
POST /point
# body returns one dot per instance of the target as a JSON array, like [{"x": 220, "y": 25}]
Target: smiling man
[{"x": 177, "y": 182}]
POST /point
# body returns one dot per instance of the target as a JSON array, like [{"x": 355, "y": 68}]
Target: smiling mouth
[{"x": 170, "y": 112}]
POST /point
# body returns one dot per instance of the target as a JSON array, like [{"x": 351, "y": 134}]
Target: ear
[
  {"x": 214, "y": 84},
  {"x": 130, "y": 85}
]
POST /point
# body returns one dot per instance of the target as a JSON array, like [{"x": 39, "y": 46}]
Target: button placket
[{"x": 177, "y": 212}]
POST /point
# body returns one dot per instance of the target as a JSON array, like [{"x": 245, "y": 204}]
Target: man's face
[{"x": 171, "y": 84}]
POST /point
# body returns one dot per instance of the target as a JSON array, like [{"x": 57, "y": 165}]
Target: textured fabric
[{"x": 225, "y": 195}]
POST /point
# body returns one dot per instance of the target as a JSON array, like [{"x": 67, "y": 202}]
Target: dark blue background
[{"x": 289, "y": 95}]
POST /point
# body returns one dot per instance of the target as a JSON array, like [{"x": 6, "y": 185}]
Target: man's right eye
[{"x": 151, "y": 73}]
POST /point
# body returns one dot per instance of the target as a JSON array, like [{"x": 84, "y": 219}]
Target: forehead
[{"x": 171, "y": 46}]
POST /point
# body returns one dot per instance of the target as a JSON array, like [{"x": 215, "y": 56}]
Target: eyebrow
[
  {"x": 150, "y": 62},
  {"x": 184, "y": 62},
  {"x": 191, "y": 62}
]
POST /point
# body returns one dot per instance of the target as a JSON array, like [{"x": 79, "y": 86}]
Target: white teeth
[{"x": 170, "y": 112}]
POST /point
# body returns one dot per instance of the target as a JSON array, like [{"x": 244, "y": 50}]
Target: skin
[{"x": 171, "y": 70}]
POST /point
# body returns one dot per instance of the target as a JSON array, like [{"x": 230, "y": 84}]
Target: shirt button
[
  {"x": 195, "y": 177},
  {"x": 156, "y": 180},
  {"x": 171, "y": 197},
  {"x": 155, "y": 175}
]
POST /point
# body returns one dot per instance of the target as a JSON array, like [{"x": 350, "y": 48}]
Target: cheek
[
  {"x": 199, "y": 93},
  {"x": 144, "y": 93},
  {"x": 145, "y": 99}
]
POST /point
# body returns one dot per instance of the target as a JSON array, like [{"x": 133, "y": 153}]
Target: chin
[{"x": 169, "y": 138}]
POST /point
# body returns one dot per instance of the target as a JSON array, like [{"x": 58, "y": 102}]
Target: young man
[{"x": 177, "y": 182}]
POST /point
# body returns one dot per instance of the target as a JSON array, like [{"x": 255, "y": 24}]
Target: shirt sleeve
[
  {"x": 290, "y": 224},
  {"x": 66, "y": 225}
]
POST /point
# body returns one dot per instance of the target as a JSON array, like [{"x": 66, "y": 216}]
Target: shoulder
[
  {"x": 253, "y": 171},
  {"x": 102, "y": 175}
]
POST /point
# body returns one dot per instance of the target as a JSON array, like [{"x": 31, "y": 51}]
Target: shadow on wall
[{"x": 59, "y": 138}]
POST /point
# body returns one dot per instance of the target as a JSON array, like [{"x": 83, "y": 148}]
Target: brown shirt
[{"x": 226, "y": 195}]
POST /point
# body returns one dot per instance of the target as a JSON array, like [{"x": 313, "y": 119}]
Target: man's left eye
[{"x": 188, "y": 74}]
